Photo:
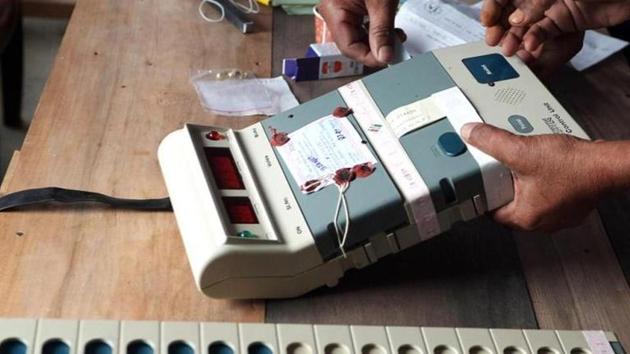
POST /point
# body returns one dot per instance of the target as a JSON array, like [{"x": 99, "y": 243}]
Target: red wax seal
[
  {"x": 344, "y": 175},
  {"x": 310, "y": 186},
  {"x": 341, "y": 112},
  {"x": 214, "y": 135},
  {"x": 363, "y": 169},
  {"x": 278, "y": 138}
]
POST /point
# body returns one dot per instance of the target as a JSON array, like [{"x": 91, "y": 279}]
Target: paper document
[
  {"x": 598, "y": 342},
  {"x": 433, "y": 24},
  {"x": 413, "y": 116},
  {"x": 597, "y": 47},
  {"x": 316, "y": 151}
]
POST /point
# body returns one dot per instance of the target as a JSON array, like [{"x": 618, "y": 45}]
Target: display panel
[
  {"x": 240, "y": 210},
  {"x": 223, "y": 168}
]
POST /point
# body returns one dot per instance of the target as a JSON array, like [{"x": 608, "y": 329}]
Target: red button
[{"x": 214, "y": 135}]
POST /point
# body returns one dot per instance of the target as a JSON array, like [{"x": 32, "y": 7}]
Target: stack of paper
[{"x": 432, "y": 24}]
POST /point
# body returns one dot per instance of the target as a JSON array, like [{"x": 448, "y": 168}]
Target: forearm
[{"x": 610, "y": 163}]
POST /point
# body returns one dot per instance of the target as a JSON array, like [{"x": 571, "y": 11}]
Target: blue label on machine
[{"x": 490, "y": 68}]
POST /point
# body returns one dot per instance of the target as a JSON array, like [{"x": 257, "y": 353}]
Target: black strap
[{"x": 47, "y": 195}]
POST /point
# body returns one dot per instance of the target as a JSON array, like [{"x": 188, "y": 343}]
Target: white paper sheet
[
  {"x": 598, "y": 342},
  {"x": 317, "y": 150},
  {"x": 413, "y": 116},
  {"x": 597, "y": 47},
  {"x": 432, "y": 24}
]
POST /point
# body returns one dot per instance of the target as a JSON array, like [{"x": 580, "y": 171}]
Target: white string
[
  {"x": 215, "y": 3},
  {"x": 253, "y": 8},
  {"x": 342, "y": 203}
]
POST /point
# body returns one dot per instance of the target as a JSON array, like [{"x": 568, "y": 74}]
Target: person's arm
[
  {"x": 558, "y": 179},
  {"x": 344, "y": 19}
]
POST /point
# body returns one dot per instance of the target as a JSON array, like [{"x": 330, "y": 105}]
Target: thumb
[
  {"x": 381, "y": 14},
  {"x": 498, "y": 143}
]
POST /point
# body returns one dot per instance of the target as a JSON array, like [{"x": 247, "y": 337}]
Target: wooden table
[{"x": 121, "y": 82}]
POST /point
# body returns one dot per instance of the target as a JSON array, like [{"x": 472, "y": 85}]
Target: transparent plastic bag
[{"x": 232, "y": 92}]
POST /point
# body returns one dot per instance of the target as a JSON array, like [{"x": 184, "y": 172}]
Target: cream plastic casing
[{"x": 229, "y": 267}]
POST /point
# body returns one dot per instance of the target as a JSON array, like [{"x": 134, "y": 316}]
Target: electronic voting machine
[{"x": 289, "y": 204}]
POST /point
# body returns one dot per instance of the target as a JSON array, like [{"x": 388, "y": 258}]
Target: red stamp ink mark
[
  {"x": 344, "y": 175},
  {"x": 363, "y": 170},
  {"x": 310, "y": 186},
  {"x": 341, "y": 112},
  {"x": 278, "y": 138}
]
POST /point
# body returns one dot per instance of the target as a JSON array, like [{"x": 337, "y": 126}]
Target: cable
[{"x": 40, "y": 196}]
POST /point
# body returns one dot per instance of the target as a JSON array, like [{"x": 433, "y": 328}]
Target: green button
[{"x": 246, "y": 234}]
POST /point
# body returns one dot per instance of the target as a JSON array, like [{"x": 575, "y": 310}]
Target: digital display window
[
  {"x": 223, "y": 168},
  {"x": 240, "y": 210}
]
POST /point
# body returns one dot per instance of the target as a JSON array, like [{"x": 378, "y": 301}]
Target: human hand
[
  {"x": 557, "y": 178},
  {"x": 554, "y": 53},
  {"x": 344, "y": 19},
  {"x": 499, "y": 16},
  {"x": 570, "y": 16},
  {"x": 527, "y": 24}
]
